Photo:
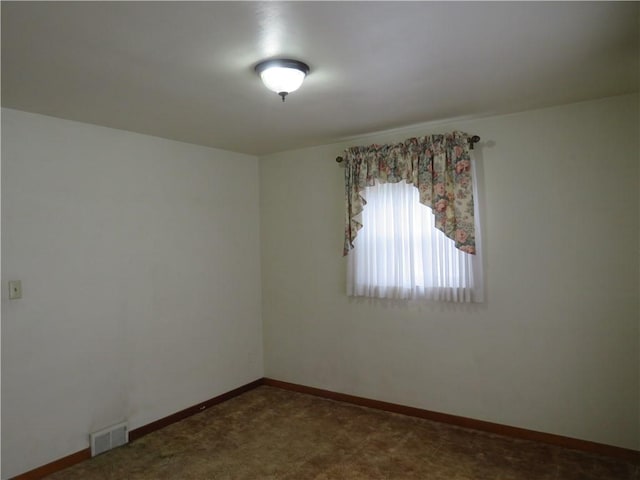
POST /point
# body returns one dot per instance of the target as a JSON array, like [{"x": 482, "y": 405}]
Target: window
[
  {"x": 399, "y": 253},
  {"x": 411, "y": 228}
]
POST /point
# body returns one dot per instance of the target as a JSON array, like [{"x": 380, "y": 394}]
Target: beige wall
[
  {"x": 139, "y": 261},
  {"x": 555, "y": 346}
]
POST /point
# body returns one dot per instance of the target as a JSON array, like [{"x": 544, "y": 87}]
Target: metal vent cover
[{"x": 108, "y": 438}]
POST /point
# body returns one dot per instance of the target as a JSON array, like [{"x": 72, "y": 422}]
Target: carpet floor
[{"x": 270, "y": 433}]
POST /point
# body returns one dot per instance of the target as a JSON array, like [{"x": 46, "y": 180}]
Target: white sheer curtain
[{"x": 400, "y": 254}]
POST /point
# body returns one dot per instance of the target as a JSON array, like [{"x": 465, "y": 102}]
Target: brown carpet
[{"x": 269, "y": 433}]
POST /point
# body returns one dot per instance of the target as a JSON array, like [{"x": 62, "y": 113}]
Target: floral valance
[{"x": 439, "y": 166}]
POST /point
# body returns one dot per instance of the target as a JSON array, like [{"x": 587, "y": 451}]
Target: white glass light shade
[
  {"x": 282, "y": 79},
  {"x": 282, "y": 75}
]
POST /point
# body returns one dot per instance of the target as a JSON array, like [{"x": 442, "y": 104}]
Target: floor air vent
[{"x": 108, "y": 438}]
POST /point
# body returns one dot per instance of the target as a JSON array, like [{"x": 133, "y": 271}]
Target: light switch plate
[{"x": 15, "y": 289}]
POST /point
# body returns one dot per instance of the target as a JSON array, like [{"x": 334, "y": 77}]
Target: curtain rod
[{"x": 472, "y": 140}]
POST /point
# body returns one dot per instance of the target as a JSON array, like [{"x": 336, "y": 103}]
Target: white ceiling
[{"x": 184, "y": 70}]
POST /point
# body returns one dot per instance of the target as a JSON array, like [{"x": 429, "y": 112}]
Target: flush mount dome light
[{"x": 282, "y": 75}]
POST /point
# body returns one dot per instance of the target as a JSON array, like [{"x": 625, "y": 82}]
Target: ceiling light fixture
[{"x": 282, "y": 75}]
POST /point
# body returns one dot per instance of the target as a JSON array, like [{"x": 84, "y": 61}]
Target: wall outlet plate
[{"x": 15, "y": 289}]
